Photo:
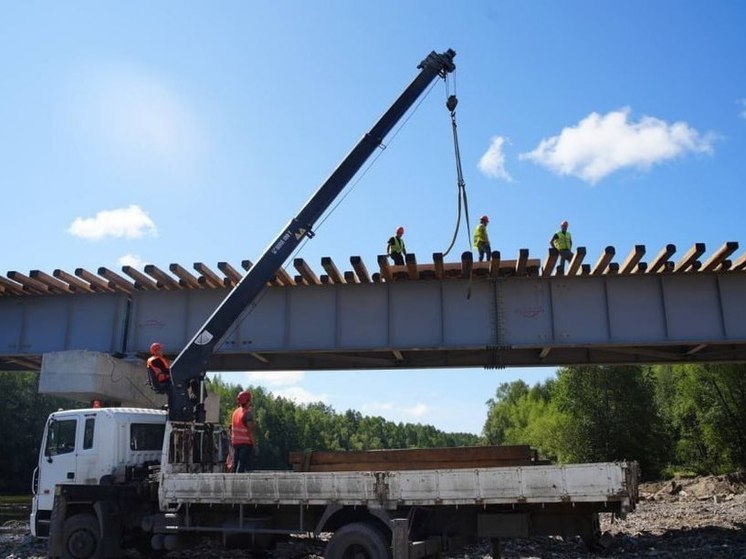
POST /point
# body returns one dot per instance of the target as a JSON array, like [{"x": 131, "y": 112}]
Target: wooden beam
[
  {"x": 283, "y": 278},
  {"x": 28, "y": 284},
  {"x": 550, "y": 262},
  {"x": 115, "y": 280},
  {"x": 99, "y": 284},
  {"x": 186, "y": 278},
  {"x": 577, "y": 260},
  {"x": 739, "y": 263},
  {"x": 11, "y": 287},
  {"x": 495, "y": 264},
  {"x": 360, "y": 269},
  {"x": 141, "y": 280},
  {"x": 383, "y": 265},
  {"x": 603, "y": 261},
  {"x": 722, "y": 253},
  {"x": 210, "y": 277},
  {"x": 467, "y": 262},
  {"x": 331, "y": 268},
  {"x": 725, "y": 265},
  {"x": 350, "y": 277},
  {"x": 233, "y": 275},
  {"x": 51, "y": 282},
  {"x": 306, "y": 272},
  {"x": 161, "y": 277},
  {"x": 246, "y": 264},
  {"x": 411, "y": 262},
  {"x": 641, "y": 268},
  {"x": 633, "y": 258},
  {"x": 520, "y": 266},
  {"x": 438, "y": 265},
  {"x": 79, "y": 285},
  {"x": 690, "y": 257},
  {"x": 613, "y": 269},
  {"x": 659, "y": 262}
]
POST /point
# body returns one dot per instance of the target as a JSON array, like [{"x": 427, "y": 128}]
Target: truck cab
[{"x": 93, "y": 446}]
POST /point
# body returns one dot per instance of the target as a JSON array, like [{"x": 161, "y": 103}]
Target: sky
[{"x": 136, "y": 133}]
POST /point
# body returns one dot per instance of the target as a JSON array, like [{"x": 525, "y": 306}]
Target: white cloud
[
  {"x": 418, "y": 410},
  {"x": 276, "y": 378},
  {"x": 492, "y": 163},
  {"x": 132, "y": 260},
  {"x": 129, "y": 223},
  {"x": 300, "y": 395},
  {"x": 602, "y": 144}
]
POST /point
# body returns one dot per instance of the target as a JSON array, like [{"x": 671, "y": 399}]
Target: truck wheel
[
  {"x": 81, "y": 537},
  {"x": 358, "y": 541}
]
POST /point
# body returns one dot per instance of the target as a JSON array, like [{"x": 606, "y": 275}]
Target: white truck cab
[{"x": 90, "y": 447}]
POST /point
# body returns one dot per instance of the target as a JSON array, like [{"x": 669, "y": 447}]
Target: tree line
[{"x": 671, "y": 419}]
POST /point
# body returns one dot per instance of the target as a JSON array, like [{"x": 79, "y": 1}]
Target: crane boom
[{"x": 191, "y": 364}]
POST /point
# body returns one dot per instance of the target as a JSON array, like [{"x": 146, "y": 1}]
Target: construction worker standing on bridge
[
  {"x": 482, "y": 239},
  {"x": 562, "y": 241},
  {"x": 395, "y": 247},
  {"x": 243, "y": 437}
]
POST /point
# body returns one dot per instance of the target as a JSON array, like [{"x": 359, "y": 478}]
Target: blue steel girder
[{"x": 507, "y": 321}]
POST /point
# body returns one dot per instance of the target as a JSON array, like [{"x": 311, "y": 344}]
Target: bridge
[{"x": 517, "y": 312}]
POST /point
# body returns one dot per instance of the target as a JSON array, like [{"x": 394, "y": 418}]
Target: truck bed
[{"x": 611, "y": 485}]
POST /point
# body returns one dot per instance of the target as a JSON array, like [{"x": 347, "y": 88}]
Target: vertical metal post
[{"x": 400, "y": 538}]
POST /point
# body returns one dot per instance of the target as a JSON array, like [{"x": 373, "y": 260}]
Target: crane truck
[{"x": 109, "y": 479}]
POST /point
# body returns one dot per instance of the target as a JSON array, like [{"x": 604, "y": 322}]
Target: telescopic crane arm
[{"x": 190, "y": 365}]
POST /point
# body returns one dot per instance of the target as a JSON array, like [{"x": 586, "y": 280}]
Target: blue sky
[{"x": 144, "y": 132}]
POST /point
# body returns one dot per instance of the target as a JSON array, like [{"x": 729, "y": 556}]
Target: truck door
[{"x": 57, "y": 460}]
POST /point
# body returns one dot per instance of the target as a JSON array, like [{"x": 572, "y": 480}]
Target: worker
[
  {"x": 482, "y": 239},
  {"x": 159, "y": 369},
  {"x": 243, "y": 438},
  {"x": 562, "y": 241},
  {"x": 395, "y": 248}
]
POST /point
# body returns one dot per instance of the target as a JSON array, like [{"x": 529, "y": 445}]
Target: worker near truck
[
  {"x": 395, "y": 247},
  {"x": 562, "y": 241},
  {"x": 482, "y": 239},
  {"x": 243, "y": 437},
  {"x": 159, "y": 369}
]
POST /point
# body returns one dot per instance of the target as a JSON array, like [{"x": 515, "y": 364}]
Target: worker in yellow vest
[
  {"x": 562, "y": 241},
  {"x": 395, "y": 247},
  {"x": 482, "y": 239}
]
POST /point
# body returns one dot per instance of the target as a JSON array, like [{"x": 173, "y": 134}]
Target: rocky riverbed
[{"x": 696, "y": 518}]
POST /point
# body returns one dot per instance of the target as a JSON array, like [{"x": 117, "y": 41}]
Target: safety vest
[
  {"x": 480, "y": 235},
  {"x": 159, "y": 373},
  {"x": 240, "y": 433},
  {"x": 563, "y": 240},
  {"x": 396, "y": 245}
]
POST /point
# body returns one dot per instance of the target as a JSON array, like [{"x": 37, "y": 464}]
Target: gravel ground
[{"x": 698, "y": 518}]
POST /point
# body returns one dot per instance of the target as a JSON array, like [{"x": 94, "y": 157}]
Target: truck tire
[
  {"x": 81, "y": 537},
  {"x": 358, "y": 540}
]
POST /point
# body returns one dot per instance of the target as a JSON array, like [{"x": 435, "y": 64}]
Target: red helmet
[
  {"x": 243, "y": 398},
  {"x": 564, "y": 224},
  {"x": 400, "y": 231},
  {"x": 155, "y": 347},
  {"x": 484, "y": 219}
]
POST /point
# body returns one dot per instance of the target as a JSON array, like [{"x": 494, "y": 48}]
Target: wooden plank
[
  {"x": 495, "y": 264},
  {"x": 520, "y": 266},
  {"x": 411, "y": 263},
  {"x": 603, "y": 261},
  {"x": 659, "y": 262},
  {"x": 350, "y": 277},
  {"x": 434, "y": 457},
  {"x": 11, "y": 287},
  {"x": 360, "y": 269},
  {"x": 306, "y": 272},
  {"x": 576, "y": 262},
  {"x": 29, "y": 284},
  {"x": 51, "y": 282},
  {"x": 79, "y": 285},
  {"x": 438, "y": 265},
  {"x": 97, "y": 283},
  {"x": 612, "y": 269},
  {"x": 246, "y": 264},
  {"x": 283, "y": 278},
  {"x": 467, "y": 262},
  {"x": 115, "y": 280},
  {"x": 550, "y": 263},
  {"x": 633, "y": 258},
  {"x": 642, "y": 267},
  {"x": 233, "y": 275},
  {"x": 385, "y": 268},
  {"x": 691, "y": 256},
  {"x": 211, "y": 279},
  {"x": 162, "y": 278},
  {"x": 331, "y": 269},
  {"x": 721, "y": 254},
  {"x": 186, "y": 278},
  {"x": 739, "y": 263},
  {"x": 141, "y": 280}
]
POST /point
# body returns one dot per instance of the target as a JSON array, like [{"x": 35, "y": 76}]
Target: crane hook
[{"x": 451, "y": 103}]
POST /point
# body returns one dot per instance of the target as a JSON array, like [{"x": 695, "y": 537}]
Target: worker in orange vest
[
  {"x": 159, "y": 369},
  {"x": 243, "y": 437}
]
